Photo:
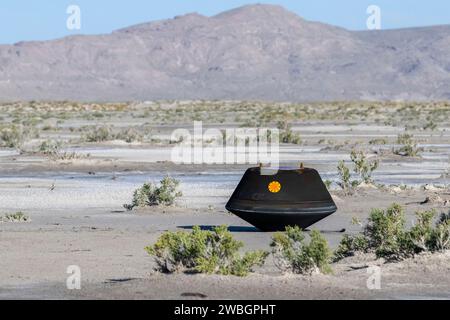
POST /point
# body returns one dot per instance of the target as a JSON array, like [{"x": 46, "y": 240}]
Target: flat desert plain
[{"x": 70, "y": 167}]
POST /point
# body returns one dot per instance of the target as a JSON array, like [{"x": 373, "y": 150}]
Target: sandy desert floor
[{"x": 76, "y": 203}]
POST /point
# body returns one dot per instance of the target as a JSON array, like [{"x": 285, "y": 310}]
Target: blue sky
[{"x": 46, "y": 19}]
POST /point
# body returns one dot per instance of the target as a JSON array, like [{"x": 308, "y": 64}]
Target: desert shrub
[
  {"x": 105, "y": 133},
  {"x": 152, "y": 195},
  {"x": 99, "y": 134},
  {"x": 204, "y": 251},
  {"x": 15, "y": 217},
  {"x": 287, "y": 135},
  {"x": 428, "y": 237},
  {"x": 292, "y": 253},
  {"x": 440, "y": 235},
  {"x": 363, "y": 167},
  {"x": 47, "y": 128},
  {"x": 97, "y": 114},
  {"x": 65, "y": 156},
  {"x": 385, "y": 235},
  {"x": 430, "y": 125},
  {"x": 13, "y": 136},
  {"x": 128, "y": 135},
  {"x": 344, "y": 176},
  {"x": 350, "y": 245},
  {"x": 421, "y": 232},
  {"x": 50, "y": 147},
  {"x": 408, "y": 147},
  {"x": 328, "y": 183},
  {"x": 290, "y": 137},
  {"x": 379, "y": 141}
]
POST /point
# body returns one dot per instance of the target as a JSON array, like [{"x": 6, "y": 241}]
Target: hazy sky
[{"x": 46, "y": 19}]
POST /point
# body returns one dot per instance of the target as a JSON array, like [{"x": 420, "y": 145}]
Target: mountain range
[{"x": 255, "y": 52}]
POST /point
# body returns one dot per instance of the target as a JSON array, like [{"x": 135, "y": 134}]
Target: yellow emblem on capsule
[{"x": 274, "y": 187}]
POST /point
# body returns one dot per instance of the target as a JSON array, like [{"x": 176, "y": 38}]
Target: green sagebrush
[
  {"x": 292, "y": 253},
  {"x": 152, "y": 195},
  {"x": 408, "y": 147},
  {"x": 362, "y": 167},
  {"x": 385, "y": 234},
  {"x": 15, "y": 217},
  {"x": 204, "y": 251}
]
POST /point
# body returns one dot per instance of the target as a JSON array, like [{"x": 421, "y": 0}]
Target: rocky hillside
[{"x": 258, "y": 52}]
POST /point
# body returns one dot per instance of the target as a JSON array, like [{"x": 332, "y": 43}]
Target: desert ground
[{"x": 70, "y": 167}]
